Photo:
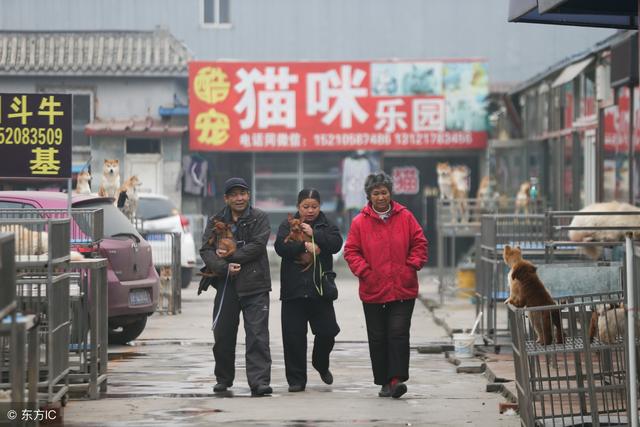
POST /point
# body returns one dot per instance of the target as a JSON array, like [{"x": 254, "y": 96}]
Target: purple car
[{"x": 133, "y": 280}]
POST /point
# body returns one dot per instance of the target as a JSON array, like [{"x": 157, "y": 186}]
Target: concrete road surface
[{"x": 166, "y": 377}]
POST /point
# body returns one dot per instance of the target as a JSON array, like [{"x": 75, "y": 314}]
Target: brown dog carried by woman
[{"x": 297, "y": 235}]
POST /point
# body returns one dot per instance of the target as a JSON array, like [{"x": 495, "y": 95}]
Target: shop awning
[
  {"x": 571, "y": 72},
  {"x": 590, "y": 7},
  {"x": 148, "y": 128},
  {"x": 587, "y": 13}
]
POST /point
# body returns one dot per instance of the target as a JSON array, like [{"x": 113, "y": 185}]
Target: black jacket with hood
[
  {"x": 251, "y": 233},
  {"x": 295, "y": 283}
]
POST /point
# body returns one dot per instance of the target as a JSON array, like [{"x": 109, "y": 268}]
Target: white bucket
[{"x": 463, "y": 345}]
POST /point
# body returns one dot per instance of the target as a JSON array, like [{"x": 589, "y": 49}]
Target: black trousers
[
  {"x": 295, "y": 315},
  {"x": 255, "y": 314},
  {"x": 388, "y": 328}
]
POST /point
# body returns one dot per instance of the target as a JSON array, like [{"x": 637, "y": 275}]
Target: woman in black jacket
[{"x": 301, "y": 302}]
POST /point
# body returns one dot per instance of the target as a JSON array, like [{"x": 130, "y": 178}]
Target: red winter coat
[{"x": 386, "y": 255}]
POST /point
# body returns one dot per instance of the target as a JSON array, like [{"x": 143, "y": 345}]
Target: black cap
[{"x": 235, "y": 182}]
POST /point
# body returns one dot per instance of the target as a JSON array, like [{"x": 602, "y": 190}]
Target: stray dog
[
  {"x": 297, "y": 235},
  {"x": 594, "y": 252},
  {"x": 110, "y": 178},
  {"x": 82, "y": 184},
  {"x": 128, "y": 196},
  {"x": 523, "y": 198},
  {"x": 222, "y": 239},
  {"x": 527, "y": 290},
  {"x": 454, "y": 185},
  {"x": 27, "y": 241},
  {"x": 610, "y": 324}
]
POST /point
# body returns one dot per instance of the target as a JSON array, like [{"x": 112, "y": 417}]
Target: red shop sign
[{"x": 427, "y": 105}]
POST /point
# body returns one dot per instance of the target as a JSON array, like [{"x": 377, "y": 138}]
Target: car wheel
[
  {"x": 186, "y": 274},
  {"x": 128, "y": 332}
]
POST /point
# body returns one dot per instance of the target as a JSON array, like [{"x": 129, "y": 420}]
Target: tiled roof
[
  {"x": 147, "y": 127},
  {"x": 92, "y": 53}
]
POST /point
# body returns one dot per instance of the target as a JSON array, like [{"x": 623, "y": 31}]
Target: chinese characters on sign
[
  {"x": 35, "y": 135},
  {"x": 406, "y": 180},
  {"x": 337, "y": 106}
]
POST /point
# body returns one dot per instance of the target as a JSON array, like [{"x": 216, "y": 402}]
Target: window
[
  {"x": 280, "y": 176},
  {"x": 216, "y": 13},
  {"x": 143, "y": 146}
]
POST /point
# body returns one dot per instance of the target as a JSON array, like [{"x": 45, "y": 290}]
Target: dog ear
[{"x": 289, "y": 217}]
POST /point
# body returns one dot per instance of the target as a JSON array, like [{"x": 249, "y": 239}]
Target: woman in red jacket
[{"x": 385, "y": 248}]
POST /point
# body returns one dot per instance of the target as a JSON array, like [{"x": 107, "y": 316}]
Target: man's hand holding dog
[{"x": 234, "y": 268}]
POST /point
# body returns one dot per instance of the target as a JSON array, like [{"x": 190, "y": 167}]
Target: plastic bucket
[{"x": 463, "y": 345}]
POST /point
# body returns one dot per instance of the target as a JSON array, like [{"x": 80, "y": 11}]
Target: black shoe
[
  {"x": 261, "y": 390},
  {"x": 294, "y": 388},
  {"x": 398, "y": 390},
  {"x": 327, "y": 378},
  {"x": 220, "y": 388},
  {"x": 384, "y": 391}
]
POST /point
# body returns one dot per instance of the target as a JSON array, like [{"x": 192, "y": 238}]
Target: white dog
[
  {"x": 603, "y": 221},
  {"x": 27, "y": 241},
  {"x": 110, "y": 178},
  {"x": 82, "y": 185}
]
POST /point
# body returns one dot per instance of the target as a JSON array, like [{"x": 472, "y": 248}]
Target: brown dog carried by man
[
  {"x": 222, "y": 239},
  {"x": 527, "y": 290}
]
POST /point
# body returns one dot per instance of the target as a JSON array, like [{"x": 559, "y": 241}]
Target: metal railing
[
  {"x": 584, "y": 378},
  {"x": 165, "y": 252}
]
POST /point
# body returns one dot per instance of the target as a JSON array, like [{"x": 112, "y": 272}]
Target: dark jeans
[
  {"x": 388, "y": 328},
  {"x": 295, "y": 315},
  {"x": 255, "y": 314}
]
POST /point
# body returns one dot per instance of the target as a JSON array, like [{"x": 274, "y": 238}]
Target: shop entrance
[{"x": 423, "y": 204}]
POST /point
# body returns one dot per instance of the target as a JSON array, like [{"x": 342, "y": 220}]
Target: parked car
[
  {"x": 157, "y": 213},
  {"x": 133, "y": 282}
]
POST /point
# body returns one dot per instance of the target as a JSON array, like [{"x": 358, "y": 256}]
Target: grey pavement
[{"x": 166, "y": 376}]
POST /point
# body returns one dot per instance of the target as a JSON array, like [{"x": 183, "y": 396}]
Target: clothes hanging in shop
[
  {"x": 194, "y": 175},
  {"x": 354, "y": 173}
]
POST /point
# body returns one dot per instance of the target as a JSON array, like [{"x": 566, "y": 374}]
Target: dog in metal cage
[
  {"x": 527, "y": 290},
  {"x": 595, "y": 252}
]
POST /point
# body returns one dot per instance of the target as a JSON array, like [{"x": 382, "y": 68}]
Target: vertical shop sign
[{"x": 35, "y": 135}]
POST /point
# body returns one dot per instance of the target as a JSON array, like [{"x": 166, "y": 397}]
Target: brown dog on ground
[
  {"x": 527, "y": 290},
  {"x": 222, "y": 239},
  {"x": 297, "y": 235}
]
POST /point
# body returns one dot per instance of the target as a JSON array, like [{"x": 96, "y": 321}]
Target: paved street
[{"x": 165, "y": 378}]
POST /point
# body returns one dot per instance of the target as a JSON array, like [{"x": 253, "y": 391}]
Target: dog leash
[
  {"x": 318, "y": 288},
  {"x": 224, "y": 289}
]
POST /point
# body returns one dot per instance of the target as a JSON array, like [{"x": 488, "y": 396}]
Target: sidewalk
[
  {"x": 457, "y": 314},
  {"x": 166, "y": 376}
]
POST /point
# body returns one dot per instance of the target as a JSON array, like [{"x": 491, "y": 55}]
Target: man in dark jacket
[{"x": 243, "y": 285}]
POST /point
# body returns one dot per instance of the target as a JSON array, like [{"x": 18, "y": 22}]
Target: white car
[{"x": 157, "y": 213}]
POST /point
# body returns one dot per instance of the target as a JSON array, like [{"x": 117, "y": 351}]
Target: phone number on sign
[{"x": 33, "y": 136}]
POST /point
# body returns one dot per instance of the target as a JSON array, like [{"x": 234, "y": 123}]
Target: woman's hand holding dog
[
  {"x": 311, "y": 247},
  {"x": 307, "y": 229}
]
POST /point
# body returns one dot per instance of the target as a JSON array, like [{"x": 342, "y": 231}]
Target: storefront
[
  {"x": 574, "y": 132},
  {"x": 288, "y": 126}
]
